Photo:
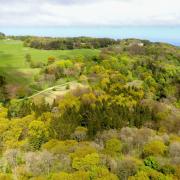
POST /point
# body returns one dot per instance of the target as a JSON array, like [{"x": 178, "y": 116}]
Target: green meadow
[{"x": 15, "y": 68}]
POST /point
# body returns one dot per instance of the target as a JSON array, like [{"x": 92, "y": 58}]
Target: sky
[
  {"x": 31, "y": 16},
  {"x": 89, "y": 12}
]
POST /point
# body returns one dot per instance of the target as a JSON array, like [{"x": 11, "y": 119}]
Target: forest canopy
[
  {"x": 112, "y": 115},
  {"x": 68, "y": 43}
]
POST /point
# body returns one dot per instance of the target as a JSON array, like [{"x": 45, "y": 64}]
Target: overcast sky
[{"x": 50, "y": 13}]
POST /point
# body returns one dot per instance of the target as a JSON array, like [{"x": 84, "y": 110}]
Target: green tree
[
  {"x": 152, "y": 163},
  {"x": 37, "y": 134},
  {"x": 28, "y": 58},
  {"x": 86, "y": 163},
  {"x": 154, "y": 148},
  {"x": 113, "y": 147}
]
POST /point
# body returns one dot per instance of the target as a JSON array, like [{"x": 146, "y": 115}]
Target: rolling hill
[{"x": 16, "y": 70}]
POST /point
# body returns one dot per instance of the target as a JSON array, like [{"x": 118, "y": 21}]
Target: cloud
[{"x": 89, "y": 13}]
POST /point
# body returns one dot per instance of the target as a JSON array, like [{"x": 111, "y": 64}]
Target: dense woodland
[
  {"x": 122, "y": 123},
  {"x": 2, "y": 35},
  {"x": 68, "y": 43}
]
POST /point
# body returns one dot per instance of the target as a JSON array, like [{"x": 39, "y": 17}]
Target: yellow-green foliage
[
  {"x": 69, "y": 102},
  {"x": 78, "y": 175},
  {"x": 64, "y": 64},
  {"x": 96, "y": 173},
  {"x": 38, "y": 134},
  {"x": 102, "y": 173},
  {"x": 86, "y": 133},
  {"x": 3, "y": 112},
  {"x": 154, "y": 148},
  {"x": 113, "y": 147},
  {"x": 127, "y": 102},
  {"x": 60, "y": 147},
  {"x": 61, "y": 175},
  {"x": 88, "y": 162},
  {"x": 149, "y": 173},
  {"x": 5, "y": 177},
  {"x": 82, "y": 150},
  {"x": 80, "y": 133},
  {"x": 89, "y": 98}
]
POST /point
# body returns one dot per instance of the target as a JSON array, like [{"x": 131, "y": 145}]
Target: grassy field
[
  {"x": 54, "y": 92},
  {"x": 14, "y": 67}
]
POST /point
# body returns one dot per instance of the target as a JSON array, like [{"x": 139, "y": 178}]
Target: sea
[{"x": 167, "y": 34}]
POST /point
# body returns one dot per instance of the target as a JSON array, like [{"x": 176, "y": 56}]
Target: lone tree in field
[{"x": 28, "y": 58}]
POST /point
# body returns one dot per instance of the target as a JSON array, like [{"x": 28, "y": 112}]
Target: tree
[
  {"x": 19, "y": 108},
  {"x": 3, "y": 112},
  {"x": 80, "y": 133},
  {"x": 2, "y": 35},
  {"x": 39, "y": 163},
  {"x": 86, "y": 163},
  {"x": 148, "y": 173},
  {"x": 3, "y": 89},
  {"x": 12, "y": 157},
  {"x": 102, "y": 173},
  {"x": 62, "y": 176},
  {"x": 174, "y": 149},
  {"x": 38, "y": 134},
  {"x": 167, "y": 169},
  {"x": 6, "y": 176},
  {"x": 154, "y": 148},
  {"x": 69, "y": 102},
  {"x": 83, "y": 150},
  {"x": 28, "y": 58},
  {"x": 151, "y": 162},
  {"x": 174, "y": 152},
  {"x": 113, "y": 147},
  {"x": 127, "y": 167}
]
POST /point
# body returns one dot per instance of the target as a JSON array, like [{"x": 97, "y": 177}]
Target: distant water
[{"x": 158, "y": 34}]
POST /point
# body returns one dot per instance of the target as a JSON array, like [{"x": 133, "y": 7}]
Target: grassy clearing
[
  {"x": 54, "y": 92},
  {"x": 14, "y": 67}
]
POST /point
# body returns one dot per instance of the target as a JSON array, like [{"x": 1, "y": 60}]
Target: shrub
[{"x": 51, "y": 59}]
